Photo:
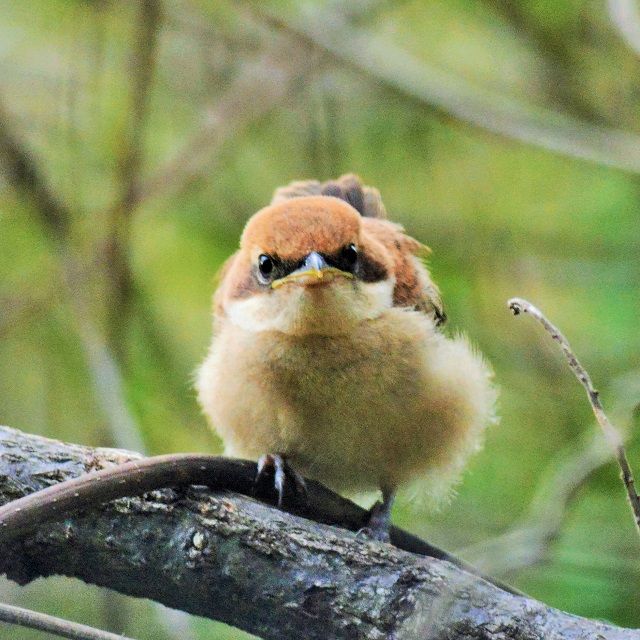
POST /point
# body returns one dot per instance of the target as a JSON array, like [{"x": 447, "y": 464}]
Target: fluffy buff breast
[{"x": 379, "y": 406}]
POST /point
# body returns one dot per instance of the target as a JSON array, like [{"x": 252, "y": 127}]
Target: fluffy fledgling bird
[{"x": 328, "y": 354}]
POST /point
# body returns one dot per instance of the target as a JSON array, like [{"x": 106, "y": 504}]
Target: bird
[{"x": 329, "y": 359}]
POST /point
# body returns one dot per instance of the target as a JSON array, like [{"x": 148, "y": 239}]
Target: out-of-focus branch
[
  {"x": 108, "y": 384},
  {"x": 142, "y": 66},
  {"x": 528, "y": 541},
  {"x": 55, "y": 626},
  {"x": 559, "y": 59},
  {"x": 116, "y": 248},
  {"x": 385, "y": 63},
  {"x": 259, "y": 87},
  {"x": 625, "y": 16},
  {"x": 15, "y": 310},
  {"x": 517, "y": 306},
  {"x": 24, "y": 174}
]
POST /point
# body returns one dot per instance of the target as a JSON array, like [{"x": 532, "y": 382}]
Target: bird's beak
[{"x": 314, "y": 269}]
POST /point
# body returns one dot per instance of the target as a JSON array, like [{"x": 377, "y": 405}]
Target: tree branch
[
  {"x": 141, "y": 67},
  {"x": 260, "y": 86},
  {"x": 554, "y": 48},
  {"x": 116, "y": 247},
  {"x": 517, "y": 306},
  {"x": 27, "y": 179},
  {"x": 225, "y": 556}
]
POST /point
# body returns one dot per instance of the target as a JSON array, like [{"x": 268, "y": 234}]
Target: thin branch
[
  {"x": 23, "y": 308},
  {"x": 56, "y": 626},
  {"x": 517, "y": 306},
  {"x": 142, "y": 66},
  {"x": 625, "y": 16},
  {"x": 385, "y": 63},
  {"x": 108, "y": 384}
]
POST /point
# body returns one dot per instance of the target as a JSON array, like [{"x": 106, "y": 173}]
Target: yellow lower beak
[{"x": 311, "y": 275}]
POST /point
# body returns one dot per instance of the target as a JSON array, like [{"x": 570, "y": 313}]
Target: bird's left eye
[
  {"x": 265, "y": 267},
  {"x": 350, "y": 254}
]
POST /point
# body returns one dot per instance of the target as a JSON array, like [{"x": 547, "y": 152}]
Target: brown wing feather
[{"x": 414, "y": 287}]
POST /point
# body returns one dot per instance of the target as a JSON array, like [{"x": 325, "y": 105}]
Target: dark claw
[
  {"x": 274, "y": 469},
  {"x": 367, "y": 533}
]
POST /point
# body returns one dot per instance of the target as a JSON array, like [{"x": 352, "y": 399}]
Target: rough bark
[{"x": 231, "y": 558}]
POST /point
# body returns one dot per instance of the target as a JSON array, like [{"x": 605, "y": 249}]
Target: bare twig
[
  {"x": 56, "y": 626},
  {"x": 517, "y": 306},
  {"x": 385, "y": 63},
  {"x": 625, "y": 16}
]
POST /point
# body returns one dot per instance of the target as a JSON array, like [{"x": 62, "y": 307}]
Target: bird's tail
[{"x": 366, "y": 200}]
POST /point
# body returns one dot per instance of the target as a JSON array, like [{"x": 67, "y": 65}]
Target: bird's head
[{"x": 306, "y": 266}]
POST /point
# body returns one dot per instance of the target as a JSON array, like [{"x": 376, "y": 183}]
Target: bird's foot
[
  {"x": 376, "y": 529},
  {"x": 277, "y": 474},
  {"x": 379, "y": 519}
]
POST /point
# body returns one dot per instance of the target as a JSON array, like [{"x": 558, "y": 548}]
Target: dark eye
[
  {"x": 350, "y": 255},
  {"x": 265, "y": 265}
]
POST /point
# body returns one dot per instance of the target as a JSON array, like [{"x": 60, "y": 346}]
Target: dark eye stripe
[
  {"x": 369, "y": 270},
  {"x": 279, "y": 269},
  {"x": 365, "y": 268}
]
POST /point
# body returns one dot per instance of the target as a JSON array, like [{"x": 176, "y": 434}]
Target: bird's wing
[{"x": 414, "y": 287}]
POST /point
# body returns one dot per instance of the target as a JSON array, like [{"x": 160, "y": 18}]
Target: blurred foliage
[{"x": 121, "y": 113}]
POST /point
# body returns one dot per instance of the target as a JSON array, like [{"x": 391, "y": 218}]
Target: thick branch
[{"x": 228, "y": 557}]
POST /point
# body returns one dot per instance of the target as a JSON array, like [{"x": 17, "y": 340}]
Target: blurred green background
[{"x": 137, "y": 138}]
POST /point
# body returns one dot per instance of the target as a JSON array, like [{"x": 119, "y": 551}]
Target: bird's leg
[
  {"x": 380, "y": 517},
  {"x": 274, "y": 469}
]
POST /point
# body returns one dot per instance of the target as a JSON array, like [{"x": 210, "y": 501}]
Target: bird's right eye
[{"x": 265, "y": 266}]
